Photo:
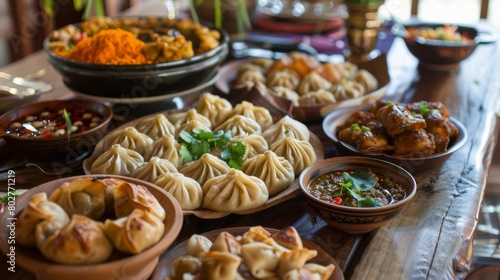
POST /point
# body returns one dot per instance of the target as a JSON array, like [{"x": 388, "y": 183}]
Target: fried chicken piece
[
  {"x": 414, "y": 144},
  {"x": 397, "y": 119},
  {"x": 364, "y": 138}
]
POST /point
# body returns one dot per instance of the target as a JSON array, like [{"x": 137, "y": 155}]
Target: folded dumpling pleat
[
  {"x": 185, "y": 190},
  {"x": 117, "y": 161},
  {"x": 130, "y": 196},
  {"x": 152, "y": 169}
]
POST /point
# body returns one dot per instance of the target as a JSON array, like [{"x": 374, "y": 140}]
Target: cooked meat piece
[
  {"x": 414, "y": 144},
  {"x": 364, "y": 139},
  {"x": 359, "y": 117},
  {"x": 397, "y": 119},
  {"x": 423, "y": 108}
]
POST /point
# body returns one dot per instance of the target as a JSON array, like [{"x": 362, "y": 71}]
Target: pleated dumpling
[
  {"x": 39, "y": 209},
  {"x": 191, "y": 126},
  {"x": 259, "y": 114},
  {"x": 152, "y": 169},
  {"x": 226, "y": 242},
  {"x": 191, "y": 115},
  {"x": 184, "y": 266},
  {"x": 130, "y": 196},
  {"x": 298, "y": 152},
  {"x": 187, "y": 191},
  {"x": 250, "y": 73},
  {"x": 294, "y": 259},
  {"x": 312, "y": 82},
  {"x": 347, "y": 89},
  {"x": 165, "y": 147},
  {"x": 234, "y": 192},
  {"x": 260, "y": 259},
  {"x": 129, "y": 138},
  {"x": 240, "y": 125},
  {"x": 204, "y": 168},
  {"x": 276, "y": 172},
  {"x": 349, "y": 68},
  {"x": 198, "y": 244},
  {"x": 366, "y": 79},
  {"x": 317, "y": 97},
  {"x": 135, "y": 232},
  {"x": 117, "y": 161},
  {"x": 286, "y": 126},
  {"x": 285, "y": 78},
  {"x": 80, "y": 242},
  {"x": 220, "y": 266},
  {"x": 83, "y": 196},
  {"x": 156, "y": 126},
  {"x": 254, "y": 145},
  {"x": 214, "y": 107},
  {"x": 287, "y": 93}
]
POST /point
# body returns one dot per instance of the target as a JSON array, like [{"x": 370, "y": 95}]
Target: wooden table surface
[{"x": 432, "y": 237}]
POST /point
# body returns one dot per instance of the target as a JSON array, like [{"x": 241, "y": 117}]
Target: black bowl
[
  {"x": 137, "y": 81},
  {"x": 440, "y": 54}
]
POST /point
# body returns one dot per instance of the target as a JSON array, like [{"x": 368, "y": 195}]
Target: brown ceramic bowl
[
  {"x": 56, "y": 151},
  {"x": 120, "y": 266},
  {"x": 442, "y": 55},
  {"x": 357, "y": 220},
  {"x": 412, "y": 165}
]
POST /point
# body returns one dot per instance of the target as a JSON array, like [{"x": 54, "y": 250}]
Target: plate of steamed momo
[
  {"x": 154, "y": 148},
  {"x": 248, "y": 253}
]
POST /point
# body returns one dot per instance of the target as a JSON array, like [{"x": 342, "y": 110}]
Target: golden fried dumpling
[
  {"x": 259, "y": 114},
  {"x": 301, "y": 274},
  {"x": 260, "y": 259},
  {"x": 312, "y": 82},
  {"x": 277, "y": 172},
  {"x": 165, "y": 147},
  {"x": 285, "y": 78},
  {"x": 191, "y": 115},
  {"x": 317, "y": 97},
  {"x": 80, "y": 242},
  {"x": 240, "y": 125},
  {"x": 347, "y": 89},
  {"x": 109, "y": 198},
  {"x": 152, "y": 169},
  {"x": 286, "y": 127},
  {"x": 187, "y": 191},
  {"x": 324, "y": 271},
  {"x": 295, "y": 259},
  {"x": 191, "y": 126},
  {"x": 255, "y": 234},
  {"x": 117, "y": 161},
  {"x": 39, "y": 209},
  {"x": 214, "y": 107},
  {"x": 366, "y": 79},
  {"x": 198, "y": 244},
  {"x": 254, "y": 144},
  {"x": 185, "y": 265},
  {"x": 204, "y": 168},
  {"x": 156, "y": 126},
  {"x": 131, "y": 196},
  {"x": 298, "y": 152},
  {"x": 288, "y": 238},
  {"x": 286, "y": 93},
  {"x": 220, "y": 266},
  {"x": 134, "y": 233},
  {"x": 234, "y": 192},
  {"x": 226, "y": 242},
  {"x": 129, "y": 138},
  {"x": 84, "y": 196}
]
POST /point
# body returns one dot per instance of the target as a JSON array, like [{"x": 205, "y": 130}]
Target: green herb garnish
[
  {"x": 67, "y": 119},
  {"x": 359, "y": 181},
  {"x": 16, "y": 193},
  {"x": 198, "y": 142},
  {"x": 424, "y": 109}
]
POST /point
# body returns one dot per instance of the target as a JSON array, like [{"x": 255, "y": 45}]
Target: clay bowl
[
  {"x": 56, "y": 152},
  {"x": 440, "y": 55},
  {"x": 412, "y": 165},
  {"x": 357, "y": 220},
  {"x": 120, "y": 265}
]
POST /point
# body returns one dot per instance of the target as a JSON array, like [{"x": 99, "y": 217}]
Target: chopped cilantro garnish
[{"x": 424, "y": 109}]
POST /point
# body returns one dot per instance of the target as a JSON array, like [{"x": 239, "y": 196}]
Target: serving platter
[
  {"x": 378, "y": 67},
  {"x": 290, "y": 192},
  {"x": 163, "y": 269}
]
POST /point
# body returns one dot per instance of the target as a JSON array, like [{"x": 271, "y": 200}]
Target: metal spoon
[
  {"x": 41, "y": 86},
  {"x": 21, "y": 92}
]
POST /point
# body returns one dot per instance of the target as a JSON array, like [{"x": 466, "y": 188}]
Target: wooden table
[{"x": 432, "y": 237}]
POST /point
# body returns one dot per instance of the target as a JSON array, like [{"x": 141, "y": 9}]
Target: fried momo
[
  {"x": 117, "y": 161},
  {"x": 130, "y": 196},
  {"x": 198, "y": 244},
  {"x": 234, "y": 192}
]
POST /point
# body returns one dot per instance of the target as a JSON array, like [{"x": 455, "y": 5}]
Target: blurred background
[{"x": 24, "y": 24}]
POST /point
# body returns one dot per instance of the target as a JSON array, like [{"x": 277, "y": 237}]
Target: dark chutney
[{"x": 328, "y": 187}]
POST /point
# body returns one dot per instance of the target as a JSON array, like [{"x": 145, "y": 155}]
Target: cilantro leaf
[{"x": 360, "y": 179}]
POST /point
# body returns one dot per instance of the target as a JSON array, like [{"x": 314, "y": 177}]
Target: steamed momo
[
  {"x": 190, "y": 115},
  {"x": 117, "y": 161},
  {"x": 135, "y": 232},
  {"x": 39, "y": 209},
  {"x": 152, "y": 169},
  {"x": 192, "y": 125},
  {"x": 347, "y": 89},
  {"x": 284, "y": 78},
  {"x": 318, "y": 97},
  {"x": 259, "y": 114},
  {"x": 234, "y": 192},
  {"x": 165, "y": 147},
  {"x": 287, "y": 93},
  {"x": 156, "y": 126},
  {"x": 254, "y": 145},
  {"x": 129, "y": 138},
  {"x": 298, "y": 152},
  {"x": 204, "y": 168},
  {"x": 214, "y": 107},
  {"x": 286, "y": 126},
  {"x": 240, "y": 125},
  {"x": 367, "y": 80},
  {"x": 276, "y": 172},
  {"x": 187, "y": 191},
  {"x": 312, "y": 82}
]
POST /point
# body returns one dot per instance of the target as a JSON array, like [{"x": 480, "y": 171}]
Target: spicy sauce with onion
[{"x": 51, "y": 123}]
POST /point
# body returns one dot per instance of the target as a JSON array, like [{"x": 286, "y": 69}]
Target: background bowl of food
[
  {"x": 136, "y": 57},
  {"x": 440, "y": 46},
  {"x": 416, "y": 143},
  {"x": 47, "y": 136},
  {"x": 104, "y": 250},
  {"x": 357, "y": 194}
]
